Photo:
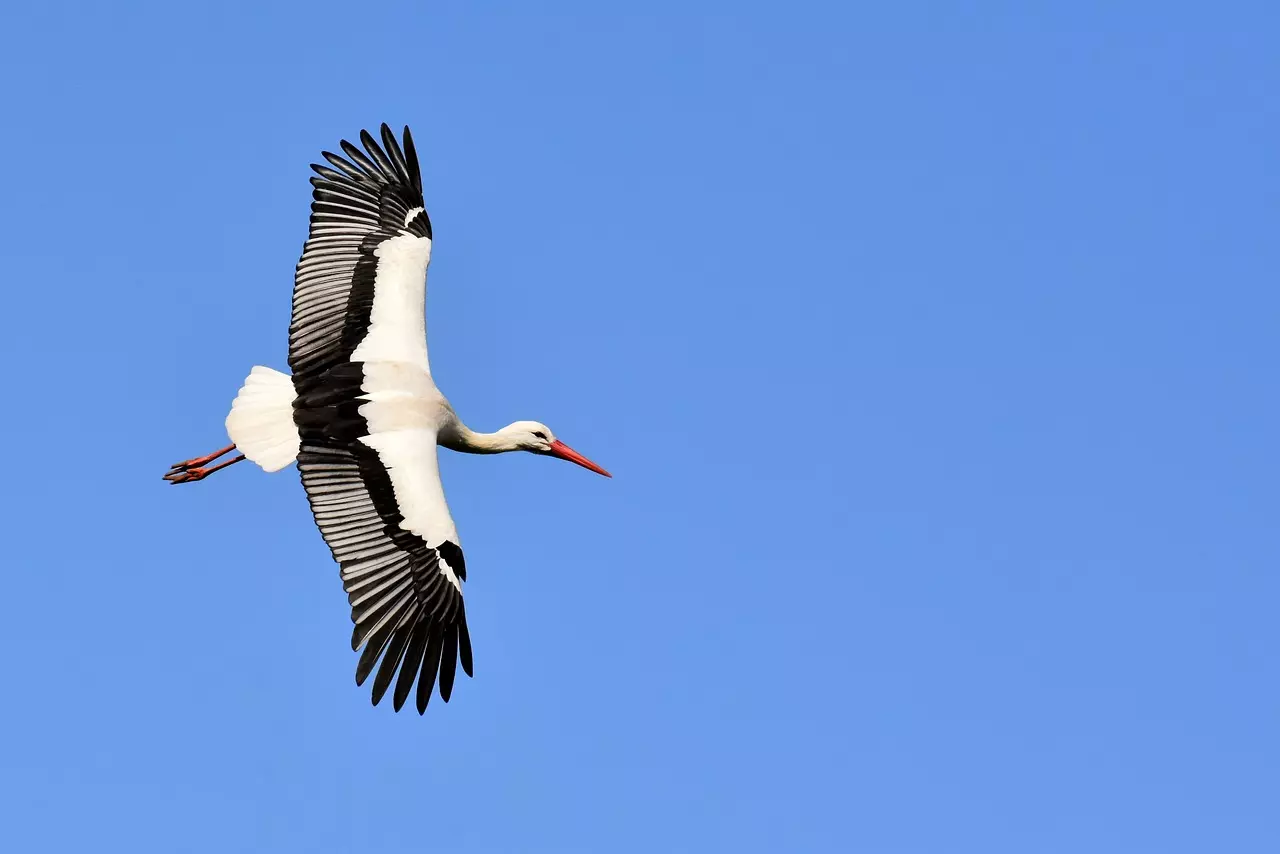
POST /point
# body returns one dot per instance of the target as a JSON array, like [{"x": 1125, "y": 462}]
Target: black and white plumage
[
  {"x": 362, "y": 417},
  {"x": 366, "y": 212}
]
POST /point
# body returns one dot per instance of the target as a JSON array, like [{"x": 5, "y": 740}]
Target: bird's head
[{"x": 537, "y": 438}]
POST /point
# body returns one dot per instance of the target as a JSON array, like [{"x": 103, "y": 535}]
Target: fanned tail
[{"x": 261, "y": 419}]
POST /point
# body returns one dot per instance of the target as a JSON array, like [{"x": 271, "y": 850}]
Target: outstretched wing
[
  {"x": 369, "y": 469},
  {"x": 366, "y": 417},
  {"x": 360, "y": 287}
]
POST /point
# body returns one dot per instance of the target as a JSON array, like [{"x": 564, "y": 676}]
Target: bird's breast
[{"x": 401, "y": 396}]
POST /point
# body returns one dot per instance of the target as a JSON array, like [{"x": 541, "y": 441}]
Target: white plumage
[{"x": 260, "y": 422}]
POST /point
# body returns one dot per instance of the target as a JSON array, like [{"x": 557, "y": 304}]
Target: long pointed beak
[{"x": 564, "y": 452}]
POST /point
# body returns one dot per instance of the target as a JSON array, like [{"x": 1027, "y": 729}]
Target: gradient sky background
[{"x": 933, "y": 350}]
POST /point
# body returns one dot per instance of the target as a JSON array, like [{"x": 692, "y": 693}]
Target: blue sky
[{"x": 932, "y": 350}]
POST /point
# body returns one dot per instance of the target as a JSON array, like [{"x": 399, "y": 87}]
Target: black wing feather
[
  {"x": 358, "y": 157},
  {"x": 379, "y": 158},
  {"x": 396, "y": 155},
  {"x": 430, "y": 666},
  {"x": 358, "y": 201},
  {"x": 411, "y": 155},
  {"x": 412, "y": 661},
  {"x": 345, "y": 167},
  {"x": 448, "y": 662},
  {"x": 408, "y": 617},
  {"x": 391, "y": 661},
  {"x": 464, "y": 641},
  {"x": 408, "y": 621}
]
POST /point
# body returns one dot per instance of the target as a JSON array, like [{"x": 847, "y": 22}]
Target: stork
[{"x": 361, "y": 416}]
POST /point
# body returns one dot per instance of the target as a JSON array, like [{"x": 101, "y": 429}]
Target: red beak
[{"x": 564, "y": 452}]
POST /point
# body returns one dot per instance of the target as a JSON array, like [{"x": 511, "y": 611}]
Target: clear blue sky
[{"x": 933, "y": 351}]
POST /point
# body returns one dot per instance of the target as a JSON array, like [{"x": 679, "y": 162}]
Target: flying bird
[{"x": 361, "y": 416}]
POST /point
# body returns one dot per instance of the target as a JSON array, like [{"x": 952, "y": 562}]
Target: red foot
[
  {"x": 187, "y": 475},
  {"x": 194, "y": 470}
]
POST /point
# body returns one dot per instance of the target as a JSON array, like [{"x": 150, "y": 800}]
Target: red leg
[
  {"x": 201, "y": 461},
  {"x": 193, "y": 470}
]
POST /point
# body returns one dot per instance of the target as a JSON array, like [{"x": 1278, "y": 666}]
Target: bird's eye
[{"x": 540, "y": 435}]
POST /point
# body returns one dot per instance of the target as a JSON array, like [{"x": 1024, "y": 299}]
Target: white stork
[{"x": 362, "y": 417}]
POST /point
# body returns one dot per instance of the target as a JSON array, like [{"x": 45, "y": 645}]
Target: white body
[{"x": 406, "y": 414}]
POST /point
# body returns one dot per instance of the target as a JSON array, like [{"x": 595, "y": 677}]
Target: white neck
[{"x": 460, "y": 437}]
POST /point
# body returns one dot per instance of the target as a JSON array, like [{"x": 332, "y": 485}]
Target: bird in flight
[{"x": 361, "y": 416}]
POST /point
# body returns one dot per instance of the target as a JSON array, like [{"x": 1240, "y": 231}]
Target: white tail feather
[{"x": 261, "y": 419}]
